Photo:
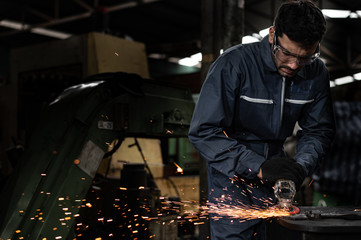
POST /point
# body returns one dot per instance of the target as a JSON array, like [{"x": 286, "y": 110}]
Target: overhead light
[
  {"x": 334, "y": 13},
  {"x": 264, "y": 32},
  {"x": 41, "y": 31},
  {"x": 197, "y": 56},
  {"x": 357, "y": 76},
  {"x": 344, "y": 80},
  {"x": 354, "y": 15},
  {"x": 189, "y": 62},
  {"x": 13, "y": 25},
  {"x": 192, "y": 61},
  {"x": 249, "y": 39},
  {"x": 332, "y": 84},
  {"x": 50, "y": 33}
]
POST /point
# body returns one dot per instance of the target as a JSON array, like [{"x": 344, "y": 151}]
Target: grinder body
[{"x": 285, "y": 191}]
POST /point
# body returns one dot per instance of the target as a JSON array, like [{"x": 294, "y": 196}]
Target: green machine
[{"x": 42, "y": 197}]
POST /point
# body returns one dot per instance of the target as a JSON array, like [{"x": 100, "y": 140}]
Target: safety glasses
[{"x": 286, "y": 56}]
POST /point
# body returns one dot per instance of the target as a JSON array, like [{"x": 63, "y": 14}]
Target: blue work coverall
[{"x": 244, "y": 114}]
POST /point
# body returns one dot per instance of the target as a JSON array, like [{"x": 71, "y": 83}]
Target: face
[{"x": 291, "y": 55}]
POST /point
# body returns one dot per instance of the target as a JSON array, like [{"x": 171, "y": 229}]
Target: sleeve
[
  {"x": 317, "y": 128},
  {"x": 212, "y": 116}
]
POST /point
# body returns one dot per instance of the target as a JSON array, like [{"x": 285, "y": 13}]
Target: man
[{"x": 253, "y": 96}]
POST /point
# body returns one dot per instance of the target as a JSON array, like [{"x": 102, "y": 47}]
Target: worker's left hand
[{"x": 282, "y": 168}]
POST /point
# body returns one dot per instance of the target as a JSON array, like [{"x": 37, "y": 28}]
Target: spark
[
  {"x": 169, "y": 131},
  {"x": 198, "y": 223},
  {"x": 225, "y": 133},
  {"x": 179, "y": 169},
  {"x": 246, "y": 212},
  {"x": 193, "y": 212},
  {"x": 310, "y": 182}
]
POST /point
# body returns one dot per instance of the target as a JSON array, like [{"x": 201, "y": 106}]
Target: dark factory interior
[{"x": 96, "y": 100}]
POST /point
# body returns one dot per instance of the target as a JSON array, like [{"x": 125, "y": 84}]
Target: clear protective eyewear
[{"x": 286, "y": 56}]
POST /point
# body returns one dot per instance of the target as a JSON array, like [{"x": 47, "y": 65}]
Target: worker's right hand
[{"x": 282, "y": 168}]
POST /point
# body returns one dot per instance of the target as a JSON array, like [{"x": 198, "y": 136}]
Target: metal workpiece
[
  {"x": 319, "y": 223},
  {"x": 336, "y": 213}
]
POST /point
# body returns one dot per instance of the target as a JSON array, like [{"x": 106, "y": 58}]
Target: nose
[{"x": 293, "y": 65}]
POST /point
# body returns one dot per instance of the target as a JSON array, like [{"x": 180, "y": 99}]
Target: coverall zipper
[{"x": 282, "y": 97}]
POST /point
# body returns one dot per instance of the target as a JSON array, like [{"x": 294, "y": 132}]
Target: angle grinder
[{"x": 285, "y": 191}]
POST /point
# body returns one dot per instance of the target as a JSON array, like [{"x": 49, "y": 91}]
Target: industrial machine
[{"x": 43, "y": 198}]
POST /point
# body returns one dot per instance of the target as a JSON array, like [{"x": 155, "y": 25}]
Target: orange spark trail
[{"x": 246, "y": 212}]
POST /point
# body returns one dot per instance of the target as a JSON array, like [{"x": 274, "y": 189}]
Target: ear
[{"x": 271, "y": 34}]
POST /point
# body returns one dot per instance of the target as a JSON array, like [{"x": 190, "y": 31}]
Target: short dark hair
[{"x": 302, "y": 21}]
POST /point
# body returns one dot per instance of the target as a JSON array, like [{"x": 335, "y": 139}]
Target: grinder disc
[{"x": 294, "y": 210}]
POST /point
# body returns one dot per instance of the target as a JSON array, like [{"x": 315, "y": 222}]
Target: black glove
[{"x": 283, "y": 168}]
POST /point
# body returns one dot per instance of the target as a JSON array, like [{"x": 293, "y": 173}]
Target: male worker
[{"x": 249, "y": 104}]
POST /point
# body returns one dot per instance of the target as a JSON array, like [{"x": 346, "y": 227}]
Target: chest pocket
[
  {"x": 298, "y": 95},
  {"x": 295, "y": 104},
  {"x": 254, "y": 113}
]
